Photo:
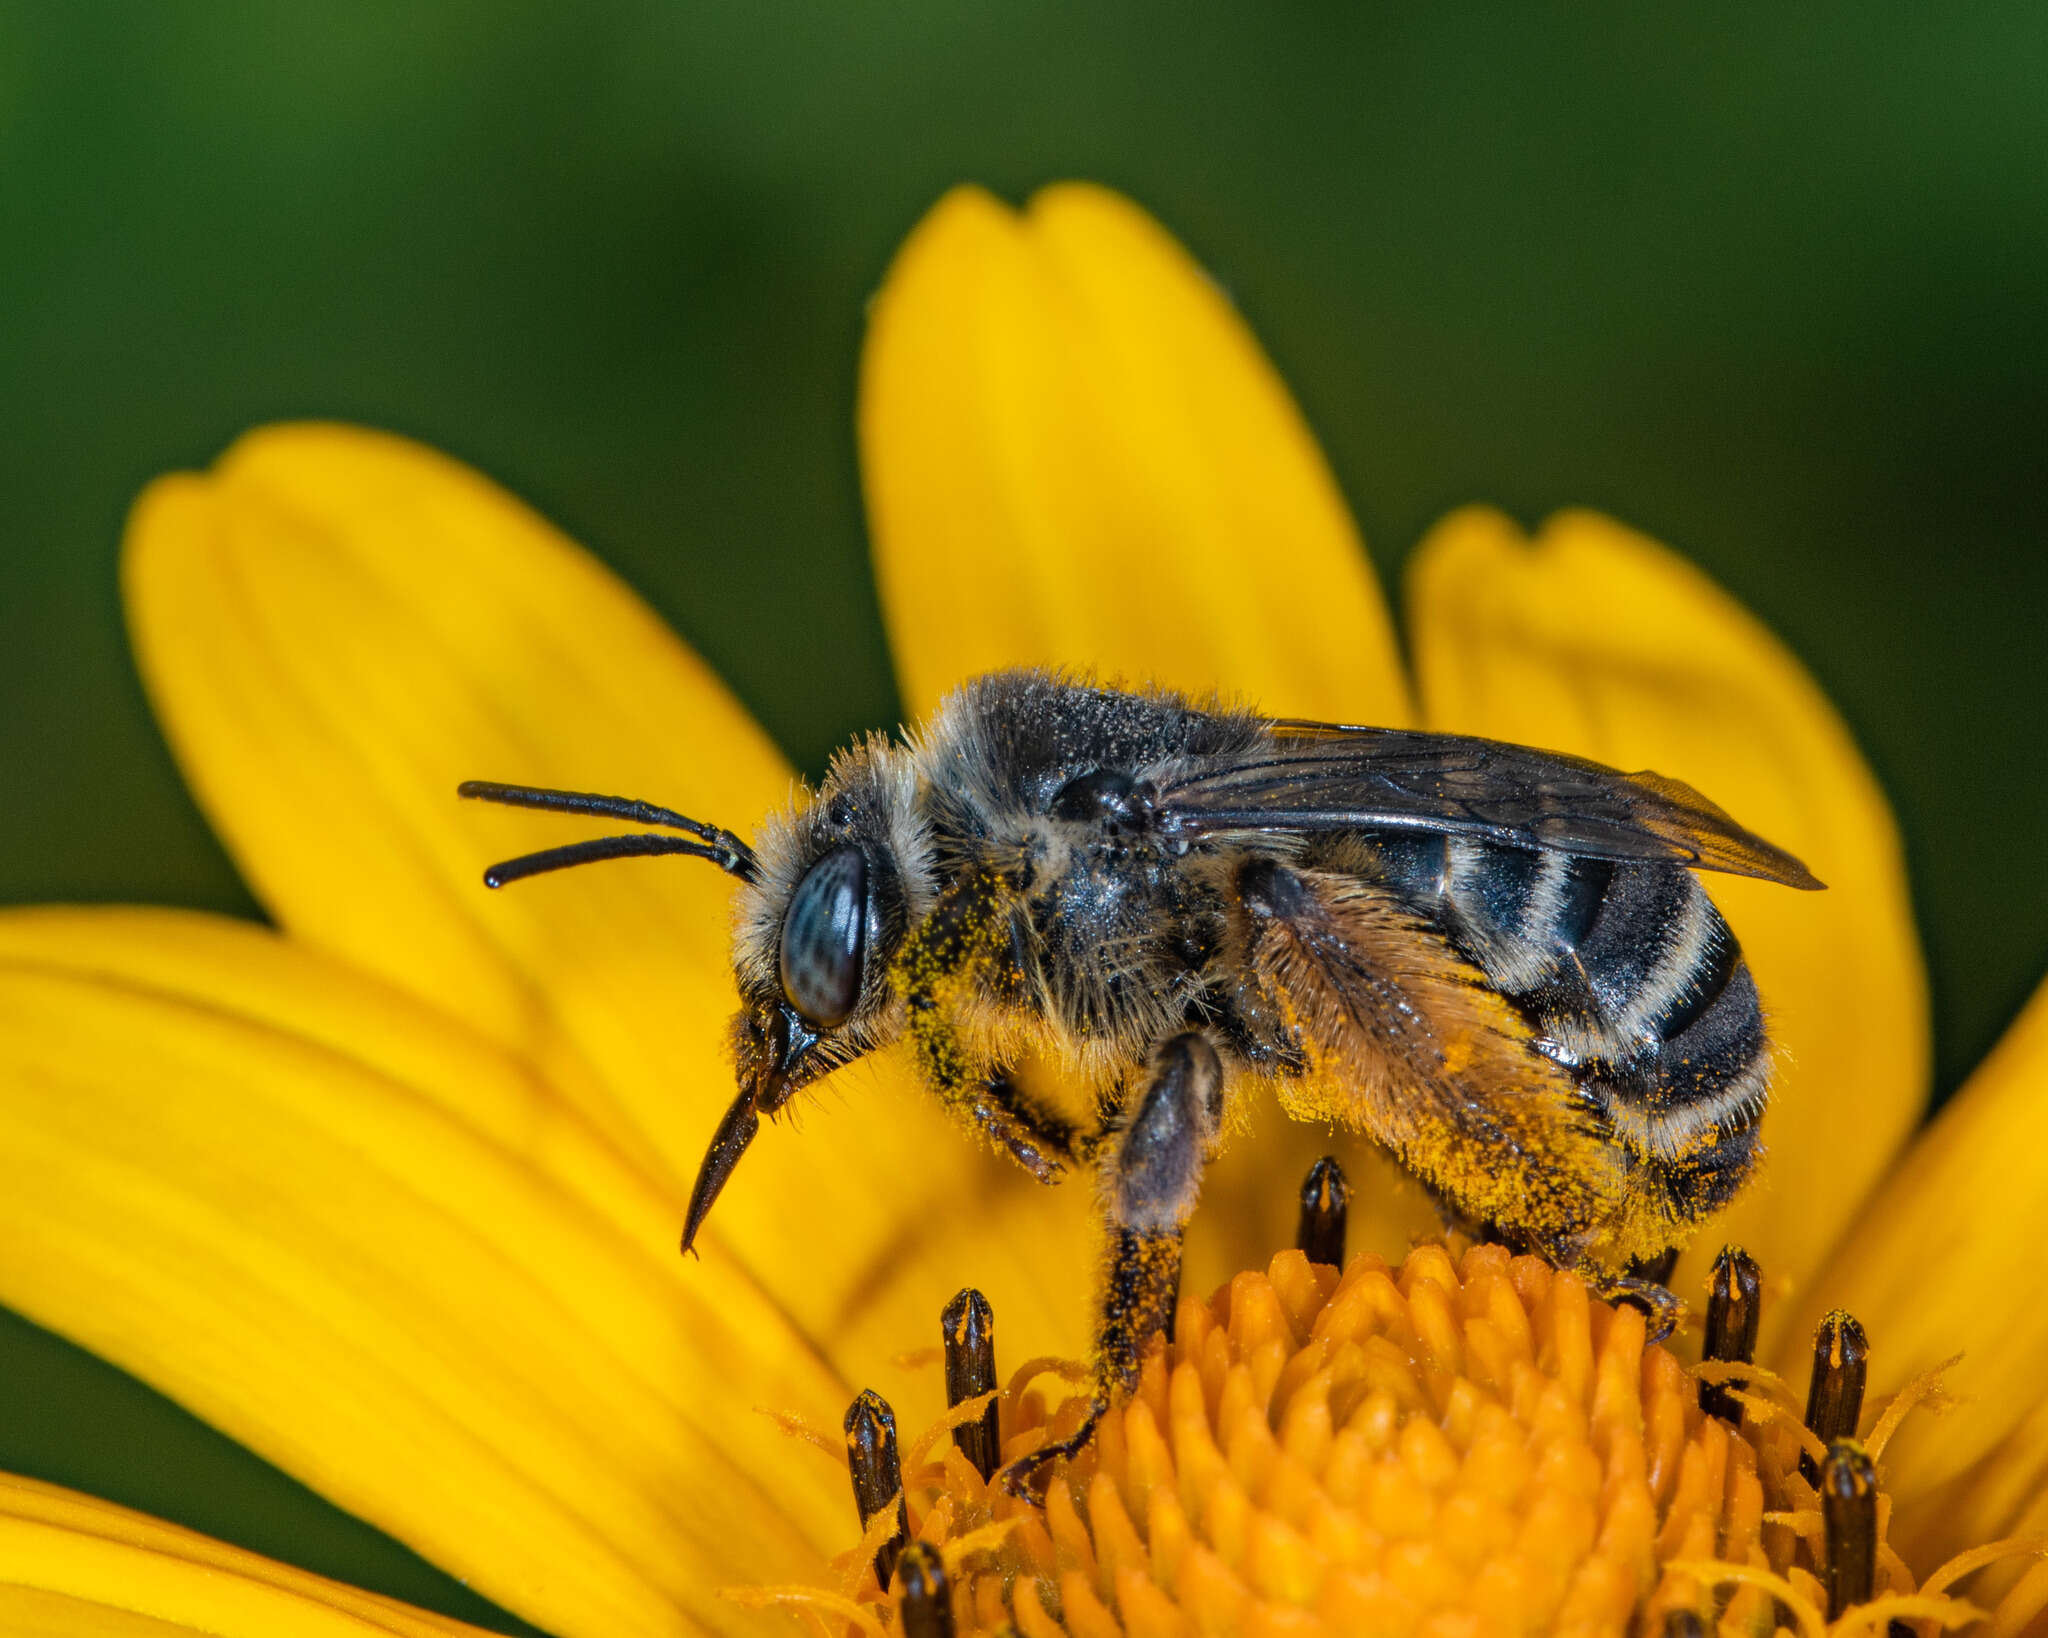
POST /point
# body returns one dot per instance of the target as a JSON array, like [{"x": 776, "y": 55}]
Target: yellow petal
[
  {"x": 337, "y": 627},
  {"x": 385, "y": 1257},
  {"x": 1596, "y": 640},
  {"x": 72, "y": 1566},
  {"x": 1945, "y": 1258},
  {"x": 1075, "y": 454}
]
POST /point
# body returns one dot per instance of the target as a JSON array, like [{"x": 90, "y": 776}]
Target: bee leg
[
  {"x": 1150, "y": 1182},
  {"x": 1660, "y": 1306},
  {"x": 1656, "y": 1269},
  {"x": 1042, "y": 1144},
  {"x": 1637, "y": 1287},
  {"x": 994, "y": 1107},
  {"x": 962, "y": 942},
  {"x": 1154, "y": 1174},
  {"x": 986, "y": 1103}
]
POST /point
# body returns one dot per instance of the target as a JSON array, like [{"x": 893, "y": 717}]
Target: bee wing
[{"x": 1307, "y": 776}]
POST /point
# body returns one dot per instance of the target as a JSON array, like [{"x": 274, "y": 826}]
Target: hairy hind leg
[{"x": 1150, "y": 1181}]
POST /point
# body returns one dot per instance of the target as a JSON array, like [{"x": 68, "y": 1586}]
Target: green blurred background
[{"x": 1770, "y": 288}]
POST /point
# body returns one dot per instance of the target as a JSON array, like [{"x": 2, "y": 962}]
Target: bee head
[
  {"x": 827, "y": 894},
  {"x": 842, "y": 876}
]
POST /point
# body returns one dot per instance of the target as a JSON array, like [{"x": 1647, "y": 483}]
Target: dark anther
[
  {"x": 968, "y": 1325},
  {"x": 1834, "y": 1401},
  {"x": 1734, "y": 1306},
  {"x": 1684, "y": 1623},
  {"x": 1324, "y": 1196},
  {"x": 927, "y": 1601},
  {"x": 877, "y": 1474},
  {"x": 1848, "y": 1515}
]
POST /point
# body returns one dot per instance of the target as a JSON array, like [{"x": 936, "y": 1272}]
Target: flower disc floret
[{"x": 1462, "y": 1446}]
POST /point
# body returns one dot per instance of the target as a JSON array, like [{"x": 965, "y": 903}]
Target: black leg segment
[
  {"x": 961, "y": 943},
  {"x": 1151, "y": 1177},
  {"x": 1038, "y": 1141},
  {"x": 1155, "y": 1173}
]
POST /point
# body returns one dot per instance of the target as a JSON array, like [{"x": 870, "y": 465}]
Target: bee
[{"x": 1495, "y": 962}]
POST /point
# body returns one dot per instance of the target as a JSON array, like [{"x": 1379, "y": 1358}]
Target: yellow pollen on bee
[
  {"x": 1459, "y": 1051},
  {"x": 1454, "y": 1448}
]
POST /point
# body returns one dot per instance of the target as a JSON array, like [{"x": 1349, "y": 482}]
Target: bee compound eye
[{"x": 822, "y": 935}]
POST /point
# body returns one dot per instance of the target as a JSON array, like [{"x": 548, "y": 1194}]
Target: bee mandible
[{"x": 1495, "y": 962}]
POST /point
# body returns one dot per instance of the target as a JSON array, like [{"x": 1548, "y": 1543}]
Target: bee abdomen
[
  {"x": 1713, "y": 1077},
  {"x": 1632, "y": 979}
]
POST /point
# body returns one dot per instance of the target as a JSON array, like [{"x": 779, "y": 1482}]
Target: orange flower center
[{"x": 1463, "y": 1446}]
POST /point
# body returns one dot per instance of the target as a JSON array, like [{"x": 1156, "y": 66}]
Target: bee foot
[
  {"x": 1046, "y": 1171},
  {"x": 1659, "y": 1305},
  {"x": 1010, "y": 1135},
  {"x": 1027, "y": 1154},
  {"x": 1025, "y": 1477}
]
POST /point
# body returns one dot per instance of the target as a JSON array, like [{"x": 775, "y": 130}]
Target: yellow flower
[{"x": 392, "y": 1194}]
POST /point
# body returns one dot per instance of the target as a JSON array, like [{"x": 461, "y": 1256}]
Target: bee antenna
[
  {"x": 611, "y": 847},
  {"x": 721, "y": 847}
]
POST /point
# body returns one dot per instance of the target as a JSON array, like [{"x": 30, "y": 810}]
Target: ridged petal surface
[
  {"x": 388, "y": 1258},
  {"x": 1945, "y": 1259},
  {"x": 1076, "y": 454},
  {"x": 75, "y": 1567}
]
